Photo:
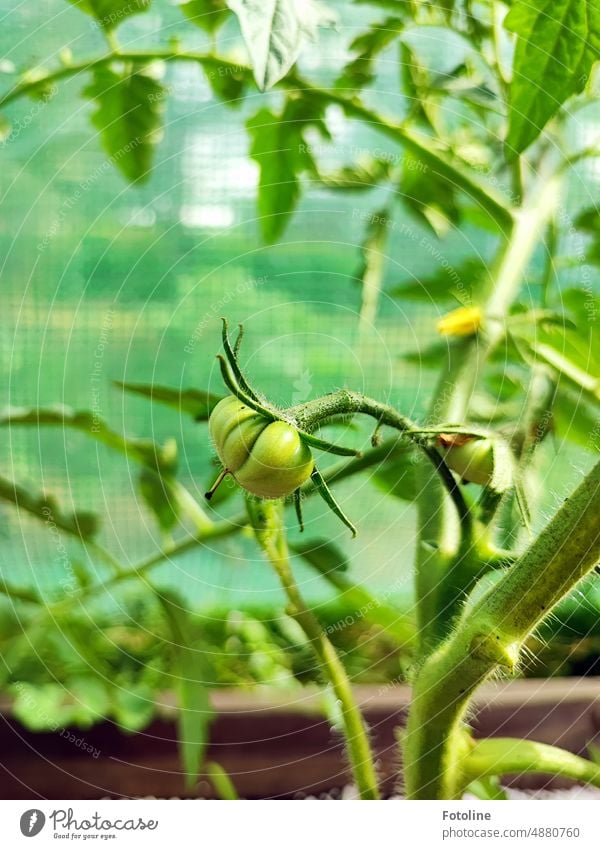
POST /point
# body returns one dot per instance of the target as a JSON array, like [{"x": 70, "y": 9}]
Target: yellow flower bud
[{"x": 464, "y": 321}]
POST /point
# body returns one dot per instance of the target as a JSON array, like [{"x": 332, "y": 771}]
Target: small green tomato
[
  {"x": 472, "y": 459},
  {"x": 267, "y": 458}
]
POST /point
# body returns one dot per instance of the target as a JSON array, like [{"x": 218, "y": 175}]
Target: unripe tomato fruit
[
  {"x": 471, "y": 459},
  {"x": 267, "y": 458}
]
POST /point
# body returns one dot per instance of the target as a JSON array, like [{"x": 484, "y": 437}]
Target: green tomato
[
  {"x": 473, "y": 461},
  {"x": 267, "y": 458}
]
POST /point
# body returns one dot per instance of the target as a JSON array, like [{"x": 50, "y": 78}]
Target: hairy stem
[
  {"x": 440, "y": 539},
  {"x": 504, "y": 755},
  {"x": 346, "y": 402},
  {"x": 267, "y": 519},
  {"x": 489, "y": 637}
]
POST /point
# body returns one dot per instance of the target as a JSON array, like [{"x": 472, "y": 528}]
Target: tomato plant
[{"x": 487, "y": 143}]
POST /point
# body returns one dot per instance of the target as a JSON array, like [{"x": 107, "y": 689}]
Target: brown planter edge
[{"x": 277, "y": 745}]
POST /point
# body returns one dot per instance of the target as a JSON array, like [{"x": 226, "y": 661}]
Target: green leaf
[
  {"x": 575, "y": 419},
  {"x": 209, "y": 15},
  {"x": 430, "y": 357},
  {"x": 558, "y": 41},
  {"x": 360, "y": 71},
  {"x": 133, "y": 707},
  {"x": 372, "y": 269},
  {"x": 323, "y": 555},
  {"x": 222, "y": 783},
  {"x": 446, "y": 284},
  {"x": 428, "y": 195},
  {"x": 158, "y": 494},
  {"x": 110, "y": 13},
  {"x": 144, "y": 451},
  {"x": 397, "y": 476},
  {"x": 198, "y": 403},
  {"x": 368, "y": 173},
  {"x": 128, "y": 117},
  {"x": 228, "y": 83},
  {"x": 81, "y": 524},
  {"x": 275, "y": 32},
  {"x": 192, "y": 672},
  {"x": 278, "y": 146}
]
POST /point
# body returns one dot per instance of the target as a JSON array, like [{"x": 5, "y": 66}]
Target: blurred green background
[{"x": 104, "y": 282}]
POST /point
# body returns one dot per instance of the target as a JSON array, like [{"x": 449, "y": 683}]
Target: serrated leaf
[
  {"x": 558, "y": 41},
  {"x": 110, "y": 13},
  {"x": 209, "y": 15},
  {"x": 144, "y": 451},
  {"x": 275, "y": 32},
  {"x": 198, "y": 403},
  {"x": 360, "y": 71},
  {"x": 323, "y": 555},
  {"x": 278, "y": 146},
  {"x": 81, "y": 524},
  {"x": 128, "y": 117}
]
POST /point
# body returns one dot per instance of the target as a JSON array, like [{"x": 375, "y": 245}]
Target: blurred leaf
[
  {"x": 323, "y": 555},
  {"x": 209, "y": 15},
  {"x": 428, "y": 195},
  {"x": 366, "y": 174},
  {"x": 220, "y": 780},
  {"x": 372, "y": 269},
  {"x": 5, "y": 128},
  {"x": 278, "y": 146},
  {"x": 157, "y": 492},
  {"x": 360, "y": 71},
  {"x": 196, "y": 402},
  {"x": 397, "y": 475},
  {"x": 80, "y": 701},
  {"x": 110, "y": 13},
  {"x": 446, "y": 284},
  {"x": 131, "y": 707},
  {"x": 81, "y": 524},
  {"x": 430, "y": 357},
  {"x": 558, "y": 41},
  {"x": 228, "y": 83},
  {"x": 416, "y": 85},
  {"x": 275, "y": 32},
  {"x": 192, "y": 676},
  {"x": 128, "y": 117},
  {"x": 575, "y": 419},
  {"x": 144, "y": 451}
]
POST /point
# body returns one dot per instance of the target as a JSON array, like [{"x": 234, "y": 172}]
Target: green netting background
[{"x": 104, "y": 282}]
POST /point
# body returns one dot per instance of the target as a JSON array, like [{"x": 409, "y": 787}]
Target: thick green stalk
[
  {"x": 440, "y": 540},
  {"x": 505, "y": 755},
  {"x": 267, "y": 519},
  {"x": 489, "y": 637}
]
